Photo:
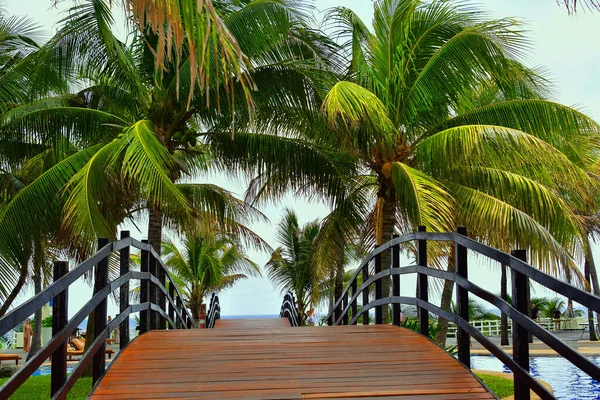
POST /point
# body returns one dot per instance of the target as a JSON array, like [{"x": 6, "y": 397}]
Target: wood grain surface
[{"x": 267, "y": 359}]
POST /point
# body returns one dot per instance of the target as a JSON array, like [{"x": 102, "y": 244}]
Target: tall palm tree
[
  {"x": 454, "y": 130},
  {"x": 139, "y": 131},
  {"x": 293, "y": 266},
  {"x": 205, "y": 265}
]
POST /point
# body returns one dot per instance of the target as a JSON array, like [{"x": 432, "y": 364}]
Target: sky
[{"x": 567, "y": 46}]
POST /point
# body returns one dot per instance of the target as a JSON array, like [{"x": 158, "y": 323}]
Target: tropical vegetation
[
  {"x": 429, "y": 117},
  {"x": 292, "y": 266},
  {"x": 205, "y": 265}
]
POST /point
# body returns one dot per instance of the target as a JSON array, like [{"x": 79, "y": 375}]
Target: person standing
[
  {"x": 310, "y": 317},
  {"x": 27, "y": 333}
]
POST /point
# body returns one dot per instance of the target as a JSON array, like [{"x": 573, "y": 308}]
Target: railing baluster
[
  {"x": 101, "y": 280},
  {"x": 462, "y": 302},
  {"x": 423, "y": 285},
  {"x": 365, "y": 294},
  {"x": 344, "y": 305},
  {"x": 520, "y": 334},
  {"x": 179, "y": 321},
  {"x": 161, "y": 297},
  {"x": 153, "y": 293},
  {"x": 144, "y": 288},
  {"x": 396, "y": 311},
  {"x": 124, "y": 292},
  {"x": 60, "y": 318},
  {"x": 378, "y": 291},
  {"x": 355, "y": 302},
  {"x": 172, "y": 313}
]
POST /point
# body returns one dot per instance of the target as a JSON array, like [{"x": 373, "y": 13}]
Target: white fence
[{"x": 491, "y": 327}]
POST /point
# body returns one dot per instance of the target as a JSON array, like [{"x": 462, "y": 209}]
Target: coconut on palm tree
[
  {"x": 454, "y": 130},
  {"x": 205, "y": 265}
]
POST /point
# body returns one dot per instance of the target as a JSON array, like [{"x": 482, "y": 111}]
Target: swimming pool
[
  {"x": 45, "y": 370},
  {"x": 568, "y": 382}
]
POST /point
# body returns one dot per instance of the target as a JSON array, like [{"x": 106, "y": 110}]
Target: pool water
[
  {"x": 46, "y": 370},
  {"x": 567, "y": 381}
]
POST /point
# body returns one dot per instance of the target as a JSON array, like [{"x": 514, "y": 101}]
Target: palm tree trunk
[
  {"x": 16, "y": 290},
  {"x": 388, "y": 222},
  {"x": 36, "y": 339},
  {"x": 503, "y": 318},
  {"x": 446, "y": 301}
]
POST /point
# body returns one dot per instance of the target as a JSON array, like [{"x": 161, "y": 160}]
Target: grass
[
  {"x": 502, "y": 387},
  {"x": 38, "y": 387}
]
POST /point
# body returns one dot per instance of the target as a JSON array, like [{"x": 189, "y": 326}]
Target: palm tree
[
  {"x": 205, "y": 265},
  {"x": 433, "y": 102},
  {"x": 293, "y": 266}
]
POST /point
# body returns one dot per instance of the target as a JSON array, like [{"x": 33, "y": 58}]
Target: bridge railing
[
  {"x": 157, "y": 288},
  {"x": 214, "y": 311},
  {"x": 289, "y": 310},
  {"x": 522, "y": 272}
]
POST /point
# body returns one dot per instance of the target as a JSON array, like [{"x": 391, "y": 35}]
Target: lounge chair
[
  {"x": 79, "y": 345},
  {"x": 10, "y": 357},
  {"x": 73, "y": 352}
]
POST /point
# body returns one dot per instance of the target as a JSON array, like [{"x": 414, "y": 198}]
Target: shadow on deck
[{"x": 267, "y": 359}]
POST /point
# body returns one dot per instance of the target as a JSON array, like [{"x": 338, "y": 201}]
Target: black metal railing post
[
  {"x": 520, "y": 334},
  {"x": 161, "y": 297},
  {"x": 344, "y": 305},
  {"x": 124, "y": 292},
  {"x": 178, "y": 321},
  {"x": 378, "y": 291},
  {"x": 144, "y": 288},
  {"x": 365, "y": 294},
  {"x": 354, "y": 287},
  {"x": 153, "y": 292},
  {"x": 422, "y": 285},
  {"x": 396, "y": 311},
  {"x": 60, "y": 318},
  {"x": 462, "y": 301},
  {"x": 101, "y": 280},
  {"x": 172, "y": 313}
]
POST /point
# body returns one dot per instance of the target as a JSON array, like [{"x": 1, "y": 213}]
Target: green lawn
[
  {"x": 38, "y": 387},
  {"x": 502, "y": 387}
]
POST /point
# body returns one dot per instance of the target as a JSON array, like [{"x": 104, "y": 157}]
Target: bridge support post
[
  {"x": 101, "y": 280},
  {"x": 161, "y": 296},
  {"x": 422, "y": 285},
  {"x": 344, "y": 305},
  {"x": 60, "y": 318},
  {"x": 144, "y": 289},
  {"x": 396, "y": 311},
  {"x": 462, "y": 302},
  {"x": 378, "y": 291},
  {"x": 355, "y": 302},
  {"x": 520, "y": 334},
  {"x": 124, "y": 292},
  {"x": 153, "y": 293},
  {"x": 171, "y": 307},
  {"x": 179, "y": 321},
  {"x": 365, "y": 294}
]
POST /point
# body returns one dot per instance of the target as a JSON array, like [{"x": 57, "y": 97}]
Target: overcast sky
[{"x": 567, "y": 46}]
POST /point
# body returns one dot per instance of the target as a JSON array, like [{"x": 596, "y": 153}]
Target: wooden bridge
[
  {"x": 268, "y": 359},
  {"x": 277, "y": 359}
]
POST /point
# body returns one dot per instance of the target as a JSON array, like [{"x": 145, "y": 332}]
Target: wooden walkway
[{"x": 267, "y": 359}]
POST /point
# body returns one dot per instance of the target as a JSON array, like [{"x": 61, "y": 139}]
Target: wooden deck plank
[{"x": 267, "y": 359}]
